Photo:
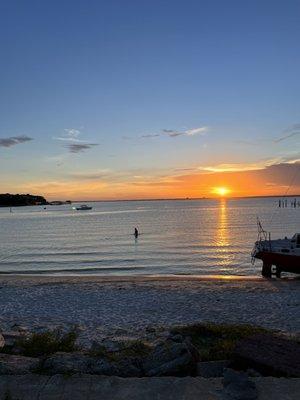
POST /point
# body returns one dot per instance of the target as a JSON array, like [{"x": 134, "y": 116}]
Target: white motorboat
[{"x": 83, "y": 207}]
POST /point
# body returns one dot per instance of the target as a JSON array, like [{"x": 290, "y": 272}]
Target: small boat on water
[
  {"x": 83, "y": 207},
  {"x": 283, "y": 254}
]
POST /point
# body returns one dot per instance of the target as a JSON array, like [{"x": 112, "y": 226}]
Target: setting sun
[{"x": 221, "y": 191}]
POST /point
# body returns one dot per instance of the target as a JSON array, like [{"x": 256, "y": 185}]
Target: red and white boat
[{"x": 277, "y": 255}]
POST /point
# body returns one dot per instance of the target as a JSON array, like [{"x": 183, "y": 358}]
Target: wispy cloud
[
  {"x": 202, "y": 130},
  {"x": 150, "y": 135},
  {"x": 248, "y": 142},
  {"x": 13, "y": 140},
  {"x": 293, "y": 130},
  {"x": 68, "y": 139},
  {"x": 90, "y": 176},
  {"x": 79, "y": 147},
  {"x": 185, "y": 169},
  {"x": 74, "y": 144},
  {"x": 172, "y": 133},
  {"x": 258, "y": 165},
  {"x": 70, "y": 135}
]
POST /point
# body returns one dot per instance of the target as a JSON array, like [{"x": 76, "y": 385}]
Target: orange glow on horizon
[{"x": 115, "y": 186}]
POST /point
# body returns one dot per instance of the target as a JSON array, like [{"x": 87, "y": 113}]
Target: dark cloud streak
[
  {"x": 14, "y": 140},
  {"x": 150, "y": 136},
  {"x": 294, "y": 130},
  {"x": 172, "y": 133},
  {"x": 79, "y": 147}
]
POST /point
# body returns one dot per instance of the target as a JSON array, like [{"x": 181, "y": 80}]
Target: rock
[
  {"x": 67, "y": 363},
  {"x": 19, "y": 328},
  {"x": 111, "y": 345},
  {"x": 211, "y": 369},
  {"x": 103, "y": 367},
  {"x": 170, "y": 358},
  {"x": 11, "y": 341},
  {"x": 176, "y": 338},
  {"x": 12, "y": 337},
  {"x": 237, "y": 386},
  {"x": 17, "y": 365},
  {"x": 121, "y": 331},
  {"x": 150, "y": 329},
  {"x": 2, "y": 341},
  {"x": 72, "y": 363},
  {"x": 253, "y": 373},
  {"x": 127, "y": 367},
  {"x": 269, "y": 355}
]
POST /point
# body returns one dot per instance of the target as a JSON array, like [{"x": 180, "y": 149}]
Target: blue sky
[{"x": 127, "y": 82}]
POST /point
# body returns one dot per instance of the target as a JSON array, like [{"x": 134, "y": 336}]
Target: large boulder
[
  {"x": 268, "y": 354},
  {"x": 171, "y": 358},
  {"x": 67, "y": 363},
  {"x": 72, "y": 363},
  {"x": 17, "y": 365},
  {"x": 126, "y": 367},
  {"x": 11, "y": 339},
  {"x": 212, "y": 369}
]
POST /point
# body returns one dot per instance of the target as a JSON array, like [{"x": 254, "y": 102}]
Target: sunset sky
[{"x": 149, "y": 99}]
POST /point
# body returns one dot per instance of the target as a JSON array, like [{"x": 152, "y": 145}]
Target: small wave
[{"x": 65, "y": 270}]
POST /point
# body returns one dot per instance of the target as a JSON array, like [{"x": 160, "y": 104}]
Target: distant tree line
[{"x": 16, "y": 200}]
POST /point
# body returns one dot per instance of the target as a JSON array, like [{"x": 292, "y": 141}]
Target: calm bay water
[{"x": 193, "y": 237}]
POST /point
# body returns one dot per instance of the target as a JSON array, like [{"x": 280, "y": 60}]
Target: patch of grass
[
  {"x": 49, "y": 342},
  {"x": 99, "y": 351},
  {"x": 216, "y": 342},
  {"x": 135, "y": 348}
]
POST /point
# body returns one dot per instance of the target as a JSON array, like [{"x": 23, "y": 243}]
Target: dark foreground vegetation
[{"x": 17, "y": 200}]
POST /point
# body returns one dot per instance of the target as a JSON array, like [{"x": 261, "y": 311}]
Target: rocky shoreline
[
  {"x": 255, "y": 354},
  {"x": 205, "y": 350}
]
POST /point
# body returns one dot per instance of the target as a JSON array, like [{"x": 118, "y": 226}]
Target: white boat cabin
[{"x": 286, "y": 245}]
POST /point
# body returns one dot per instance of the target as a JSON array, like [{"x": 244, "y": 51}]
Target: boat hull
[{"x": 284, "y": 262}]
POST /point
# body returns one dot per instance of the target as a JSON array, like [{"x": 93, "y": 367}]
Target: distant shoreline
[
  {"x": 21, "y": 200},
  {"x": 187, "y": 199},
  {"x": 47, "y": 203}
]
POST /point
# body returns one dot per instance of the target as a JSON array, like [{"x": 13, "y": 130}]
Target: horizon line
[{"x": 187, "y": 198}]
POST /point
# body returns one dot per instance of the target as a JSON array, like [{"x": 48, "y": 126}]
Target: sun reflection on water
[
  {"x": 222, "y": 231},
  {"x": 223, "y": 237}
]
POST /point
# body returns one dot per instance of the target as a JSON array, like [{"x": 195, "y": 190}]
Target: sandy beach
[{"x": 137, "y": 307}]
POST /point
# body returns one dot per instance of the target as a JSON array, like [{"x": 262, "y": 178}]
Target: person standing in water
[{"x": 136, "y": 233}]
